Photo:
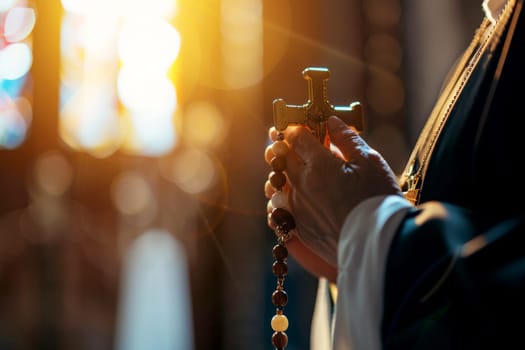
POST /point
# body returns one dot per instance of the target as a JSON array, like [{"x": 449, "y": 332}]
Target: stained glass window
[
  {"x": 17, "y": 19},
  {"x": 116, "y": 90}
]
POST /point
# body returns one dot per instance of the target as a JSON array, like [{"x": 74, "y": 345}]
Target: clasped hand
[{"x": 324, "y": 186}]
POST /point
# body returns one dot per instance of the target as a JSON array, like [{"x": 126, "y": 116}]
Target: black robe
[{"x": 455, "y": 272}]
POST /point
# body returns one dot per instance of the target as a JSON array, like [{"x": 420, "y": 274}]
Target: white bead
[
  {"x": 269, "y": 207},
  {"x": 279, "y": 323},
  {"x": 280, "y": 200}
]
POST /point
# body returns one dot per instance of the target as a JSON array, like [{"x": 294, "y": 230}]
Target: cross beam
[{"x": 317, "y": 109}]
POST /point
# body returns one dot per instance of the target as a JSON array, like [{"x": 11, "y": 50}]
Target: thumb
[{"x": 346, "y": 139}]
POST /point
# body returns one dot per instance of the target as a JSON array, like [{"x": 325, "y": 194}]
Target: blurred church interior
[{"x": 132, "y": 134}]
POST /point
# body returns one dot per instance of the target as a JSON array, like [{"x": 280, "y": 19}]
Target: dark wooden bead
[
  {"x": 279, "y": 340},
  {"x": 279, "y": 268},
  {"x": 280, "y": 298},
  {"x": 277, "y": 179},
  {"x": 280, "y": 252},
  {"x": 278, "y": 163},
  {"x": 283, "y": 218}
]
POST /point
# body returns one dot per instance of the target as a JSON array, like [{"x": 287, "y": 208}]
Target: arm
[
  {"x": 452, "y": 277},
  {"x": 363, "y": 247}
]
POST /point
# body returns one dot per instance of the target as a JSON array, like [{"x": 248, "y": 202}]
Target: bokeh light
[
  {"x": 145, "y": 93},
  {"x": 6, "y": 4},
  {"x": 19, "y": 23},
  {"x": 383, "y": 50},
  {"x": 131, "y": 193},
  {"x": 192, "y": 170},
  {"x": 204, "y": 124},
  {"x": 16, "y": 59},
  {"x": 117, "y": 64},
  {"x": 53, "y": 174},
  {"x": 15, "y": 120},
  {"x": 159, "y": 45},
  {"x": 383, "y": 13},
  {"x": 385, "y": 94}
]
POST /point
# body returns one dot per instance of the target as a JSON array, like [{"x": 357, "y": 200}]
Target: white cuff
[{"x": 362, "y": 250}]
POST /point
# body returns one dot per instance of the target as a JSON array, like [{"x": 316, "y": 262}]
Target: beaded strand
[{"x": 283, "y": 222}]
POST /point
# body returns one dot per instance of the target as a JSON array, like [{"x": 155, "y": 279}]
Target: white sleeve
[{"x": 363, "y": 247}]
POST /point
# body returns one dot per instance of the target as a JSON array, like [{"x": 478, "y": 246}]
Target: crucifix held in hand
[{"x": 314, "y": 113}]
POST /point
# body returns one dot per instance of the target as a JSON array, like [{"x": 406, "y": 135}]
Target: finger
[
  {"x": 346, "y": 139},
  {"x": 336, "y": 151},
  {"x": 295, "y": 167},
  {"x": 273, "y": 132},
  {"x": 311, "y": 261},
  {"x": 307, "y": 150}
]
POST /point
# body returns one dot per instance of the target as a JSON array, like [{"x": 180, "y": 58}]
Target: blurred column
[{"x": 155, "y": 303}]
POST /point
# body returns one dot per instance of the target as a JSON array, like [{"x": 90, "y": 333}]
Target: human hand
[
  {"x": 302, "y": 254},
  {"x": 326, "y": 185}
]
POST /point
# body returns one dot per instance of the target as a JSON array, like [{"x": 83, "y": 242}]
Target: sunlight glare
[
  {"x": 6, "y": 4},
  {"x": 98, "y": 37},
  {"x": 204, "y": 124},
  {"x": 89, "y": 116},
  {"x": 154, "y": 134},
  {"x": 146, "y": 93},
  {"x": 141, "y": 8},
  {"x": 150, "y": 45}
]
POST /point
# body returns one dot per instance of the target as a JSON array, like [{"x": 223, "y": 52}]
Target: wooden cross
[{"x": 317, "y": 109}]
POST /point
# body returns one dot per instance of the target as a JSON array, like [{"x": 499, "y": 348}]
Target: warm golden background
[{"x": 132, "y": 133}]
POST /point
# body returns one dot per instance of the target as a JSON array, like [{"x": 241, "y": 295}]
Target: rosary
[{"x": 313, "y": 115}]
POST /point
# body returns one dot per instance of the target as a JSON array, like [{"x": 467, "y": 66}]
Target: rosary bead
[
  {"x": 280, "y": 298},
  {"x": 282, "y": 221},
  {"x": 279, "y": 340},
  {"x": 280, "y": 252},
  {"x": 268, "y": 189},
  {"x": 282, "y": 217},
  {"x": 268, "y": 154},
  {"x": 270, "y": 221},
  {"x": 279, "y": 268},
  {"x": 280, "y": 148},
  {"x": 277, "y": 179},
  {"x": 269, "y": 207},
  {"x": 279, "y": 323},
  {"x": 279, "y": 199},
  {"x": 278, "y": 163}
]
